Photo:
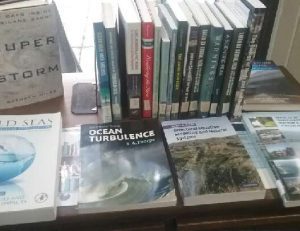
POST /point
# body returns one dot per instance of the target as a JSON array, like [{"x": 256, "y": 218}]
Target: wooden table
[{"x": 266, "y": 214}]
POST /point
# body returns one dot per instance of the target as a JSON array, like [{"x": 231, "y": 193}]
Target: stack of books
[{"x": 177, "y": 59}]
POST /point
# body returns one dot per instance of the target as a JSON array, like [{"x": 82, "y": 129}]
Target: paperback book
[
  {"x": 211, "y": 163},
  {"x": 29, "y": 166},
  {"x": 29, "y": 58},
  {"x": 277, "y": 136},
  {"x": 124, "y": 166}
]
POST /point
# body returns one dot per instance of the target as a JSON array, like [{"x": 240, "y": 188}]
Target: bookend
[{"x": 84, "y": 99}]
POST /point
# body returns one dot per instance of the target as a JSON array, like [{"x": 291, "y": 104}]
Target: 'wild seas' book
[
  {"x": 29, "y": 53},
  {"x": 277, "y": 136},
  {"x": 29, "y": 164},
  {"x": 124, "y": 166},
  {"x": 211, "y": 163},
  {"x": 69, "y": 171}
]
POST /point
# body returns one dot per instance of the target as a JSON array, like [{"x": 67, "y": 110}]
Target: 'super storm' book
[
  {"x": 124, "y": 166},
  {"x": 211, "y": 163},
  {"x": 29, "y": 162}
]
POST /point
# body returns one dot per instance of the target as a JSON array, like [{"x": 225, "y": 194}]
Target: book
[
  {"x": 277, "y": 136},
  {"x": 233, "y": 66},
  {"x": 130, "y": 57},
  {"x": 211, "y": 163},
  {"x": 124, "y": 166},
  {"x": 30, "y": 59},
  {"x": 204, "y": 30},
  {"x": 223, "y": 60},
  {"x": 164, "y": 74},
  {"x": 171, "y": 29},
  {"x": 189, "y": 61},
  {"x": 212, "y": 59},
  {"x": 254, "y": 12},
  {"x": 69, "y": 172},
  {"x": 182, "y": 28},
  {"x": 29, "y": 166},
  {"x": 112, "y": 50},
  {"x": 147, "y": 58},
  {"x": 152, "y": 6},
  {"x": 271, "y": 88},
  {"x": 102, "y": 75}
]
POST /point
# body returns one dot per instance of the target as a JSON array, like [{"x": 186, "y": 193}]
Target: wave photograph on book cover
[{"x": 124, "y": 167}]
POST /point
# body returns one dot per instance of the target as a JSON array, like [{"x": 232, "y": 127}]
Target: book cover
[
  {"x": 164, "y": 74},
  {"x": 147, "y": 33},
  {"x": 212, "y": 165},
  {"x": 255, "y": 13},
  {"x": 130, "y": 57},
  {"x": 212, "y": 59},
  {"x": 102, "y": 75},
  {"x": 29, "y": 166},
  {"x": 124, "y": 166},
  {"x": 111, "y": 35},
  {"x": 152, "y": 5},
  {"x": 271, "y": 88},
  {"x": 277, "y": 136},
  {"x": 182, "y": 28},
  {"x": 29, "y": 60},
  {"x": 69, "y": 172},
  {"x": 171, "y": 29}
]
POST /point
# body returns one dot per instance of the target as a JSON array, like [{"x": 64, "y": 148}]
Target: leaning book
[
  {"x": 278, "y": 138},
  {"x": 30, "y": 69},
  {"x": 124, "y": 166},
  {"x": 29, "y": 162},
  {"x": 211, "y": 163}
]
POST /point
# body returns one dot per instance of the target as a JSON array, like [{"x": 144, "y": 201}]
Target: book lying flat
[
  {"x": 277, "y": 136},
  {"x": 29, "y": 162},
  {"x": 124, "y": 166},
  {"x": 212, "y": 165}
]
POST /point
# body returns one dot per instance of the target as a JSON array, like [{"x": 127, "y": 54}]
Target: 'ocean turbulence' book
[
  {"x": 29, "y": 163},
  {"x": 124, "y": 166},
  {"x": 211, "y": 163},
  {"x": 278, "y": 138}
]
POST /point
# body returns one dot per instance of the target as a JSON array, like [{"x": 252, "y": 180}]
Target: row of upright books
[
  {"x": 131, "y": 165},
  {"x": 175, "y": 59}
]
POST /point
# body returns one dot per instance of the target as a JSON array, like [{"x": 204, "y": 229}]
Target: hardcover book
[
  {"x": 29, "y": 60},
  {"x": 271, "y": 88},
  {"x": 124, "y": 166},
  {"x": 276, "y": 134},
  {"x": 211, "y": 163},
  {"x": 29, "y": 166}
]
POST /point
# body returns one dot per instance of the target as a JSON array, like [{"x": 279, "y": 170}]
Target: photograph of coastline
[
  {"x": 270, "y": 136},
  {"x": 288, "y": 168},
  {"x": 280, "y": 151}
]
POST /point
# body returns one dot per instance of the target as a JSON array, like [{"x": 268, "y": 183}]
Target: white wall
[{"x": 285, "y": 42}]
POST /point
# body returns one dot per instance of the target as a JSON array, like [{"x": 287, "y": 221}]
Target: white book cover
[
  {"x": 278, "y": 138},
  {"x": 211, "y": 163},
  {"x": 29, "y": 160},
  {"x": 69, "y": 171},
  {"x": 30, "y": 69}
]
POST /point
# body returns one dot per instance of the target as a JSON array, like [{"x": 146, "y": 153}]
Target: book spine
[
  {"x": 156, "y": 71},
  {"x": 215, "y": 99},
  {"x": 178, "y": 69},
  {"x": 114, "y": 73},
  {"x": 133, "y": 69},
  {"x": 188, "y": 73},
  {"x": 164, "y": 78},
  {"x": 210, "y": 69},
  {"x": 255, "y": 23},
  {"x": 198, "y": 70},
  {"x": 147, "y": 68},
  {"x": 232, "y": 70},
  {"x": 103, "y": 85}
]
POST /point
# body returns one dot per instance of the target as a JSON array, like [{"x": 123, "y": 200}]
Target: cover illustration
[
  {"x": 122, "y": 165},
  {"x": 209, "y": 158}
]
